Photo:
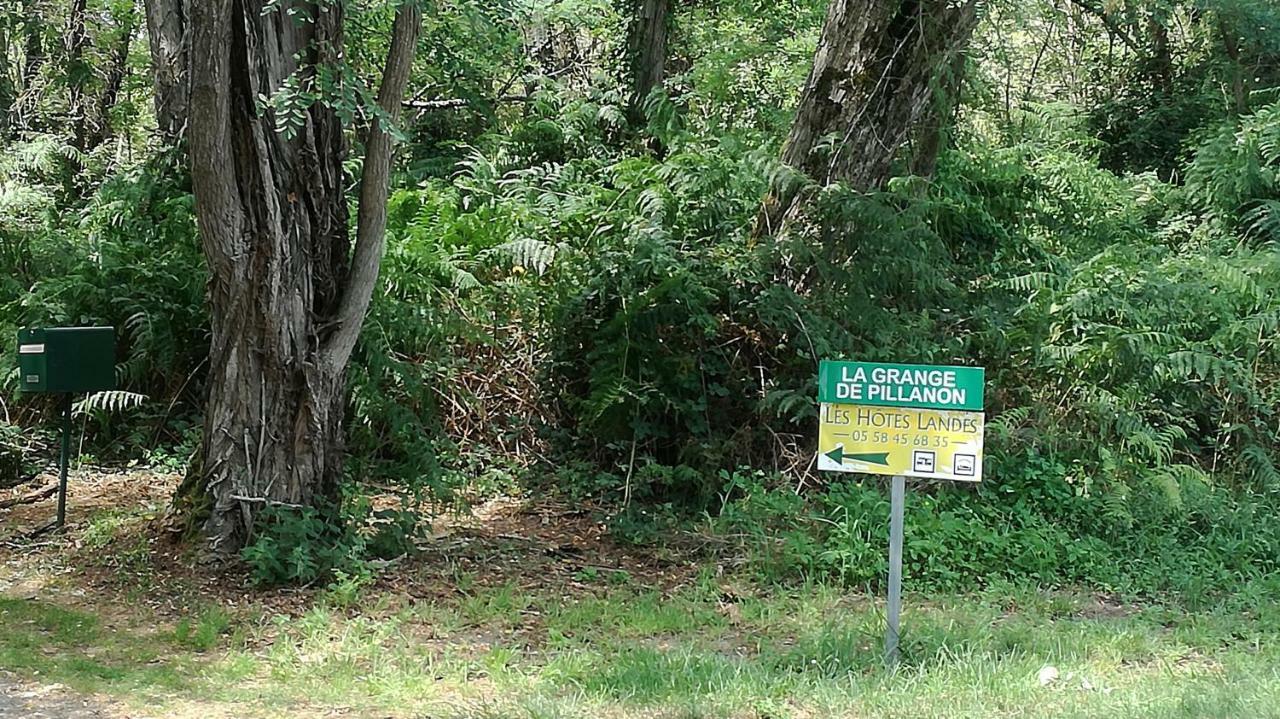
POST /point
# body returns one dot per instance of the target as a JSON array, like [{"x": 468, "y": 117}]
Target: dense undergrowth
[{"x": 581, "y": 306}]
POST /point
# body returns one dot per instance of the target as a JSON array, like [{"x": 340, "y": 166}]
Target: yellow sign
[{"x": 928, "y": 443}]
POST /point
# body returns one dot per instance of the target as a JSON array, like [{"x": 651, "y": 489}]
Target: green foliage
[
  {"x": 580, "y": 305},
  {"x": 302, "y": 545},
  {"x": 1235, "y": 175},
  {"x": 204, "y": 631},
  {"x": 1031, "y": 523},
  {"x": 298, "y": 546},
  {"x": 129, "y": 259},
  {"x": 18, "y": 462}
]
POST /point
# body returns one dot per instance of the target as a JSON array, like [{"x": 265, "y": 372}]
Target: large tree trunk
[
  {"x": 873, "y": 78},
  {"x": 646, "y": 51},
  {"x": 167, "y": 22},
  {"x": 285, "y": 307}
]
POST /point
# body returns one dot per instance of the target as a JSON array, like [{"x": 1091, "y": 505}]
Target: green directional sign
[
  {"x": 839, "y": 456},
  {"x": 901, "y": 385}
]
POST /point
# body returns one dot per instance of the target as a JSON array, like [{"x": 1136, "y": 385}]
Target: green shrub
[
  {"x": 1025, "y": 524},
  {"x": 304, "y": 545}
]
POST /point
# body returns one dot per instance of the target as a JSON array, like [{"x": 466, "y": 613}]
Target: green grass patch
[{"x": 629, "y": 651}]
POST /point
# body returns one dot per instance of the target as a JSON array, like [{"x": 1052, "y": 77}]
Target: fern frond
[
  {"x": 531, "y": 253},
  {"x": 1029, "y": 282},
  {"x": 1260, "y": 464},
  {"x": 110, "y": 401}
]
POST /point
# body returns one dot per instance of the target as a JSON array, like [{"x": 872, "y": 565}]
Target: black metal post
[{"x": 63, "y": 460}]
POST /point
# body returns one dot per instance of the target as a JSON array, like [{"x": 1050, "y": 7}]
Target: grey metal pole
[
  {"x": 897, "y": 502},
  {"x": 63, "y": 460}
]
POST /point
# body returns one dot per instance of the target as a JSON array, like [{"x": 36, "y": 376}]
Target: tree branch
[
  {"x": 212, "y": 175},
  {"x": 31, "y": 498},
  {"x": 1110, "y": 21},
  {"x": 375, "y": 180},
  {"x": 454, "y": 102}
]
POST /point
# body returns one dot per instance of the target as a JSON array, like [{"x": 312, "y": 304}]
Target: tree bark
[
  {"x": 8, "y": 91},
  {"x": 873, "y": 78},
  {"x": 167, "y": 23},
  {"x": 285, "y": 308},
  {"x": 646, "y": 51}
]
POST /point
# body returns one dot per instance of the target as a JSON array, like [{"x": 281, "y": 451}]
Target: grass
[{"x": 618, "y": 650}]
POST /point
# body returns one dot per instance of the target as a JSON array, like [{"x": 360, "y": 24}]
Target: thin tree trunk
[
  {"x": 1161, "y": 58},
  {"x": 1239, "y": 83},
  {"x": 646, "y": 51},
  {"x": 8, "y": 92},
  {"x": 271, "y": 206},
  {"x": 873, "y": 78},
  {"x": 33, "y": 52},
  {"x": 77, "y": 72},
  {"x": 167, "y": 22},
  {"x": 100, "y": 127},
  {"x": 934, "y": 129},
  {"x": 33, "y": 59}
]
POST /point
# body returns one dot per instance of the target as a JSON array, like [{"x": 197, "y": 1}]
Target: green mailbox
[{"x": 66, "y": 360}]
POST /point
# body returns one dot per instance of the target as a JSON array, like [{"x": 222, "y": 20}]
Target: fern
[
  {"x": 1030, "y": 282},
  {"x": 530, "y": 252},
  {"x": 110, "y": 401},
  {"x": 1259, "y": 463}
]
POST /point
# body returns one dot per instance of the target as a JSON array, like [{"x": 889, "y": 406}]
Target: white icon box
[{"x": 922, "y": 461}]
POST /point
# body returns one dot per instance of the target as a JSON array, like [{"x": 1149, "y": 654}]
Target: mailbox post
[{"x": 66, "y": 361}]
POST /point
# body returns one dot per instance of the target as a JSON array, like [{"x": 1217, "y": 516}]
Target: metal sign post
[{"x": 898, "y": 496}]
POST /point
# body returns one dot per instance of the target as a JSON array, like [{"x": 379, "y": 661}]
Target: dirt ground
[{"x": 21, "y": 700}]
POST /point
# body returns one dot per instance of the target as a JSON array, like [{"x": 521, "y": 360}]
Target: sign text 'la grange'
[{"x": 900, "y": 385}]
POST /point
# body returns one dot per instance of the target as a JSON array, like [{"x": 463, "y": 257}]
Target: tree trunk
[
  {"x": 167, "y": 22},
  {"x": 33, "y": 58},
  {"x": 934, "y": 128},
  {"x": 286, "y": 308},
  {"x": 873, "y": 78},
  {"x": 77, "y": 72},
  {"x": 1239, "y": 83},
  {"x": 8, "y": 92},
  {"x": 1160, "y": 61},
  {"x": 33, "y": 52},
  {"x": 646, "y": 51},
  {"x": 100, "y": 126}
]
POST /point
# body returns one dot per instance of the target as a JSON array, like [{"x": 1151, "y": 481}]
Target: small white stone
[{"x": 1047, "y": 675}]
